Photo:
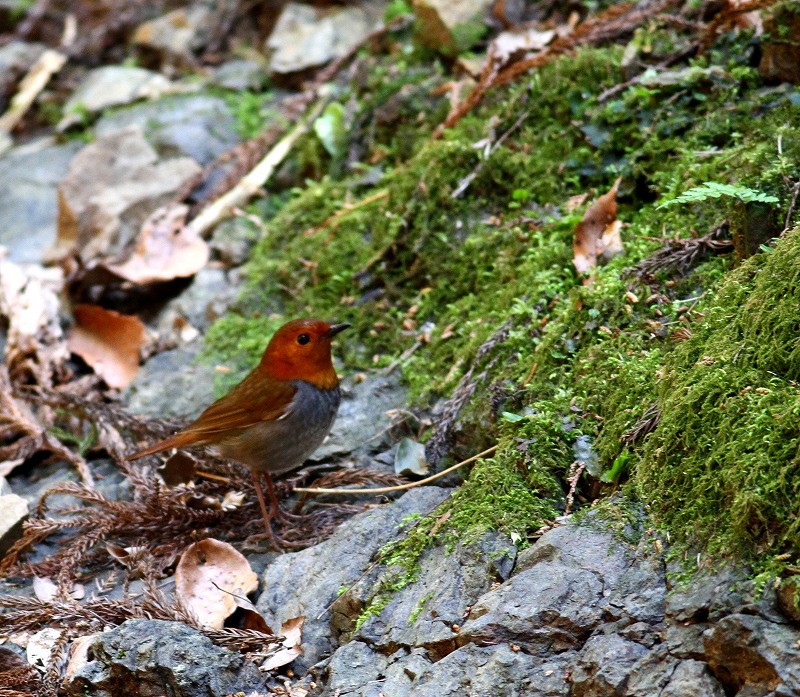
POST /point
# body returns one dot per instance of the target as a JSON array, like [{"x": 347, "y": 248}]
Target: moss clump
[{"x": 723, "y": 467}]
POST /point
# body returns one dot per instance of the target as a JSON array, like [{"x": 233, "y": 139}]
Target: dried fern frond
[{"x": 679, "y": 255}]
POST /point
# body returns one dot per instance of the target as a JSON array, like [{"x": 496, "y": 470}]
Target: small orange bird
[{"x": 279, "y": 414}]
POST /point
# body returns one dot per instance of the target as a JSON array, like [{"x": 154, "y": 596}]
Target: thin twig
[
  {"x": 466, "y": 181},
  {"x": 346, "y": 209},
  {"x": 252, "y": 182},
  {"x": 49, "y": 63},
  {"x": 402, "y": 487},
  {"x": 792, "y": 204}
]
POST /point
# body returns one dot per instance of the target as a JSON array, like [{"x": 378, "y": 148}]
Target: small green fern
[{"x": 709, "y": 190}]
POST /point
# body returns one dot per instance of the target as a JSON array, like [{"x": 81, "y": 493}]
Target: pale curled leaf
[
  {"x": 208, "y": 575},
  {"x": 109, "y": 342},
  {"x": 165, "y": 249},
  {"x": 292, "y": 630},
  {"x": 597, "y": 235}
]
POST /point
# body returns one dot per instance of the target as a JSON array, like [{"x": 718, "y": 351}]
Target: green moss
[
  {"x": 723, "y": 467},
  {"x": 417, "y": 611}
]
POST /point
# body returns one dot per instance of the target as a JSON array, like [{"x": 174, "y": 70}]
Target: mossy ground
[{"x": 721, "y": 468}]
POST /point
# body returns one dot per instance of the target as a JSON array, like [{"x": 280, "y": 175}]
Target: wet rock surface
[
  {"x": 308, "y": 582},
  {"x": 152, "y": 657},
  {"x": 584, "y": 614}
]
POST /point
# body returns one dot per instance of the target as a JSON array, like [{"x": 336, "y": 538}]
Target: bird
[{"x": 275, "y": 418}]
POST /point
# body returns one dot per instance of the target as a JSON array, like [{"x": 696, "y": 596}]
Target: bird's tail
[{"x": 176, "y": 441}]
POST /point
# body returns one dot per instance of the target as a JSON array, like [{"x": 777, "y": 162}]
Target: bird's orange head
[{"x": 301, "y": 350}]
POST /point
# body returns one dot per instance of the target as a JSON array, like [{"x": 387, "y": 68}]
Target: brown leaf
[
  {"x": 597, "y": 235},
  {"x": 178, "y": 469},
  {"x": 165, "y": 249},
  {"x": 208, "y": 575},
  {"x": 292, "y": 631},
  {"x": 107, "y": 341}
]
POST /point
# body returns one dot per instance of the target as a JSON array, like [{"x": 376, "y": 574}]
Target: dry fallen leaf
[
  {"x": 41, "y": 646},
  {"x": 208, "y": 576},
  {"x": 79, "y": 654},
  {"x": 165, "y": 249},
  {"x": 107, "y": 341},
  {"x": 178, "y": 469},
  {"x": 597, "y": 235},
  {"x": 292, "y": 631}
]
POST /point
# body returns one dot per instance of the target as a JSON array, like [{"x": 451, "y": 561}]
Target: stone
[
  {"x": 712, "y": 596},
  {"x": 199, "y": 126},
  {"x": 207, "y": 298},
  {"x": 357, "y": 670},
  {"x": 424, "y": 613},
  {"x": 233, "y": 239},
  {"x": 113, "y": 85},
  {"x": 350, "y": 671},
  {"x": 13, "y": 513},
  {"x": 241, "y": 74},
  {"x": 16, "y": 59},
  {"x": 29, "y": 177},
  {"x": 308, "y": 582},
  {"x": 788, "y": 599},
  {"x": 451, "y": 26},
  {"x": 112, "y": 185},
  {"x": 172, "y": 384},
  {"x": 604, "y": 665},
  {"x": 150, "y": 658},
  {"x": 307, "y": 37},
  {"x": 564, "y": 586},
  {"x": 177, "y": 34},
  {"x": 659, "y": 673},
  {"x": 493, "y": 670},
  {"x": 750, "y": 652}
]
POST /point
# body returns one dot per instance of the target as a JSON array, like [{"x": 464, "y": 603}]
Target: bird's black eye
[{"x": 303, "y": 339}]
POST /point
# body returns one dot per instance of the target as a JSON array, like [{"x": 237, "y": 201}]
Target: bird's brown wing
[{"x": 257, "y": 398}]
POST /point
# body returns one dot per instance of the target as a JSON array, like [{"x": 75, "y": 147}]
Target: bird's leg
[
  {"x": 276, "y": 512},
  {"x": 274, "y": 505},
  {"x": 273, "y": 502}
]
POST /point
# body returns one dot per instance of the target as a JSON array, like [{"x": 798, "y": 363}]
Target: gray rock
[
  {"x": 29, "y": 177},
  {"x": 658, "y": 673},
  {"x": 711, "y": 596},
  {"x": 493, "y": 670},
  {"x": 306, "y": 37},
  {"x": 177, "y": 34},
  {"x": 745, "y": 651},
  {"x": 197, "y": 125},
  {"x": 115, "y": 85},
  {"x": 423, "y": 613},
  {"x": 240, "y": 74},
  {"x": 112, "y": 186},
  {"x": 233, "y": 239},
  {"x": 362, "y": 416},
  {"x": 16, "y": 58},
  {"x": 208, "y": 297},
  {"x": 450, "y": 26},
  {"x": 356, "y": 670},
  {"x": 685, "y": 640},
  {"x": 151, "y": 658},
  {"x": 172, "y": 384},
  {"x": 604, "y": 665},
  {"x": 565, "y": 585},
  {"x": 13, "y": 512},
  {"x": 308, "y": 582},
  {"x": 353, "y": 670}
]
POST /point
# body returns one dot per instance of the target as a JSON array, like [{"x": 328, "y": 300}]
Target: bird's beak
[{"x": 336, "y": 328}]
